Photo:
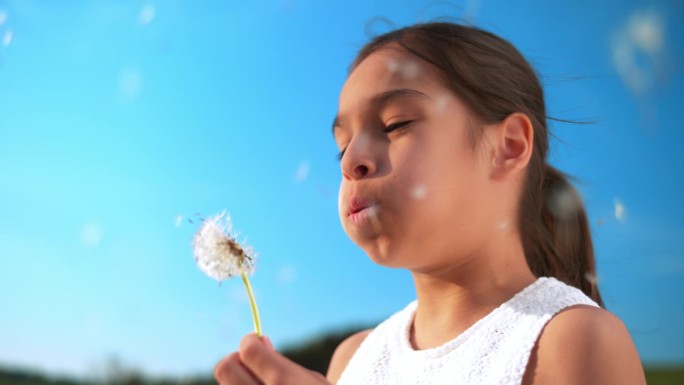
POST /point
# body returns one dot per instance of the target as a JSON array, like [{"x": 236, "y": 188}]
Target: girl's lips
[
  {"x": 360, "y": 210},
  {"x": 358, "y": 204},
  {"x": 362, "y": 215}
]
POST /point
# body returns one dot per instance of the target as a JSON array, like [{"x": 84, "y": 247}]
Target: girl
[{"x": 443, "y": 144}]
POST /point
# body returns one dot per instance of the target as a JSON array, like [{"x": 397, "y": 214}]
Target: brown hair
[{"x": 494, "y": 80}]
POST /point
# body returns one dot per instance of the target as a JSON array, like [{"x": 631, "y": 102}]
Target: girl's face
[{"x": 415, "y": 192}]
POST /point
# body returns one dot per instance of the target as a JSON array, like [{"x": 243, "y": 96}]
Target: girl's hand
[{"x": 257, "y": 362}]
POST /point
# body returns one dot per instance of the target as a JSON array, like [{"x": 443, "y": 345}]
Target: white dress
[{"x": 494, "y": 350}]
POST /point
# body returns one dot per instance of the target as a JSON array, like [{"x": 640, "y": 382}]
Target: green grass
[
  {"x": 665, "y": 376},
  {"x": 654, "y": 376}
]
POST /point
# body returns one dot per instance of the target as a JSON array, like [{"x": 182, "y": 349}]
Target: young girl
[{"x": 443, "y": 143}]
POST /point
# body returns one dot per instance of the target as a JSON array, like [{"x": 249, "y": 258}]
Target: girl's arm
[{"x": 585, "y": 345}]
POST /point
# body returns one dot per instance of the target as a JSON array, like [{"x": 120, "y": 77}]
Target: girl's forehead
[{"x": 387, "y": 69}]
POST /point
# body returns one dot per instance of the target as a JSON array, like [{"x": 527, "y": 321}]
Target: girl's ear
[{"x": 513, "y": 140}]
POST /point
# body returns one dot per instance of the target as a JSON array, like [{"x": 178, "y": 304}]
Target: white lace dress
[{"x": 495, "y": 350}]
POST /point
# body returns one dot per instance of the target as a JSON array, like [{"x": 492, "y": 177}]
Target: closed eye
[
  {"x": 390, "y": 128},
  {"x": 395, "y": 126},
  {"x": 340, "y": 154}
]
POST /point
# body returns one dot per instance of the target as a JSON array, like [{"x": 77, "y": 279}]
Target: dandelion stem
[{"x": 253, "y": 305}]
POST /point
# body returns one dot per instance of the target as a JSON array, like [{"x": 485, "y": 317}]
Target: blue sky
[{"x": 119, "y": 117}]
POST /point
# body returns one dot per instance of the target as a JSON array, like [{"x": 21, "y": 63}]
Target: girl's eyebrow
[{"x": 382, "y": 99}]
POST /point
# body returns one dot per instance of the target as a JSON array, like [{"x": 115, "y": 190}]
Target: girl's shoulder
[
  {"x": 344, "y": 353},
  {"x": 584, "y": 345}
]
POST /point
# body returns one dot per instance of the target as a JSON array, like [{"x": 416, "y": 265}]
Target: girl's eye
[
  {"x": 395, "y": 126},
  {"x": 340, "y": 154}
]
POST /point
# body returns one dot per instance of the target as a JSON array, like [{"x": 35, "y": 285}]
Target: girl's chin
[{"x": 384, "y": 256}]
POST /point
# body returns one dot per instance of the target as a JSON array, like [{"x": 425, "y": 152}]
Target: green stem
[{"x": 253, "y": 305}]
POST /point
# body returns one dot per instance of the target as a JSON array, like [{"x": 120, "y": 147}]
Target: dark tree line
[{"x": 314, "y": 354}]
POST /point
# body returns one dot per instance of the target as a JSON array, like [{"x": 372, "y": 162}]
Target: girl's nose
[{"x": 358, "y": 161}]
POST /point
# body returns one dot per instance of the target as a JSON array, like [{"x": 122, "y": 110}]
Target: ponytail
[{"x": 555, "y": 232}]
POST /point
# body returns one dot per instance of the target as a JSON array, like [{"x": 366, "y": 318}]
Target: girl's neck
[{"x": 449, "y": 302}]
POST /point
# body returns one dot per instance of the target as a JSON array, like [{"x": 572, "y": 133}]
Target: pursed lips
[
  {"x": 361, "y": 210},
  {"x": 358, "y": 204}
]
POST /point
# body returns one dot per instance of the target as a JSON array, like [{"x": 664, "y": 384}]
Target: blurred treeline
[{"x": 313, "y": 354}]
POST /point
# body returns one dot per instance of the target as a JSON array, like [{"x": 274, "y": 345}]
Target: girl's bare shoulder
[
  {"x": 344, "y": 353},
  {"x": 584, "y": 345}
]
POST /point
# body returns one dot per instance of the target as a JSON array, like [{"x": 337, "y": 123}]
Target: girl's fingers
[
  {"x": 262, "y": 360},
  {"x": 230, "y": 371},
  {"x": 269, "y": 367}
]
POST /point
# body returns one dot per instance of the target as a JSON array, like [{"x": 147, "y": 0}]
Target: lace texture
[{"x": 494, "y": 350}]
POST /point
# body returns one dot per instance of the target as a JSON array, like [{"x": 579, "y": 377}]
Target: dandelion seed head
[
  {"x": 146, "y": 14},
  {"x": 591, "y": 278},
  {"x": 418, "y": 192},
  {"x": 410, "y": 69},
  {"x": 91, "y": 235},
  {"x": 504, "y": 224},
  {"x": 7, "y": 38},
  {"x": 471, "y": 9},
  {"x": 620, "y": 210},
  {"x": 646, "y": 30},
  {"x": 217, "y": 252},
  {"x": 362, "y": 141},
  {"x": 130, "y": 83},
  {"x": 406, "y": 68},
  {"x": 286, "y": 275},
  {"x": 178, "y": 221},
  {"x": 3, "y": 16},
  {"x": 373, "y": 211},
  {"x": 392, "y": 65},
  {"x": 302, "y": 172},
  {"x": 563, "y": 203},
  {"x": 637, "y": 48},
  {"x": 442, "y": 100}
]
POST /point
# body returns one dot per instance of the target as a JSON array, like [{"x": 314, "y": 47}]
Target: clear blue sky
[{"x": 117, "y": 117}]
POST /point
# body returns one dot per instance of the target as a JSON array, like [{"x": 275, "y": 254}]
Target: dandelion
[
  {"x": 418, "y": 192},
  {"x": 220, "y": 256},
  {"x": 146, "y": 15},
  {"x": 592, "y": 278},
  {"x": 7, "y": 38},
  {"x": 302, "y": 172},
  {"x": 503, "y": 224},
  {"x": 620, "y": 211},
  {"x": 373, "y": 216}
]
